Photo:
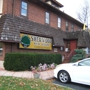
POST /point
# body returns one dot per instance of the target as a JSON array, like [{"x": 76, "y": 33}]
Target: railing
[
  {"x": 68, "y": 57},
  {"x": 71, "y": 54}
]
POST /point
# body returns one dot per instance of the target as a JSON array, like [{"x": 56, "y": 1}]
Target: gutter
[
  {"x": 59, "y": 12},
  {"x": 13, "y": 3}
]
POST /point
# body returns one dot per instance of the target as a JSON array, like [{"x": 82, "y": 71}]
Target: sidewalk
[
  {"x": 1, "y": 64},
  {"x": 25, "y": 74}
]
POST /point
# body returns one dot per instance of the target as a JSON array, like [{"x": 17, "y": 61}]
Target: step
[{"x": 66, "y": 61}]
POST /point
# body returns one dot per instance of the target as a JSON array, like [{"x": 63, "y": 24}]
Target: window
[
  {"x": 47, "y": 18},
  {"x": 24, "y": 8},
  {"x": 79, "y": 28},
  {"x": 88, "y": 49},
  {"x": 55, "y": 50},
  {"x": 59, "y": 22},
  {"x": 66, "y": 25},
  {"x": 84, "y": 63},
  {"x": 72, "y": 27},
  {"x": 62, "y": 48},
  {"x": 67, "y": 46}
]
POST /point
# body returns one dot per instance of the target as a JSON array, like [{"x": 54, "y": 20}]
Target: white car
[{"x": 78, "y": 72}]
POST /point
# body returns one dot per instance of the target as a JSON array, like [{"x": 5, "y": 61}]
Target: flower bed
[{"x": 42, "y": 67}]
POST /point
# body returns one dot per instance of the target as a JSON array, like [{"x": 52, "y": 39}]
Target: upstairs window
[
  {"x": 66, "y": 26},
  {"x": 72, "y": 27},
  {"x": 47, "y": 18},
  {"x": 79, "y": 28},
  {"x": 24, "y": 8},
  {"x": 59, "y": 22}
]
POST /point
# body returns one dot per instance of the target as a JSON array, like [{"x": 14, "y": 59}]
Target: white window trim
[
  {"x": 24, "y": 8},
  {"x": 67, "y": 25},
  {"x": 47, "y": 18},
  {"x": 59, "y": 22}
]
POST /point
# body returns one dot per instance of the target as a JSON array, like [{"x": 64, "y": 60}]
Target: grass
[{"x": 12, "y": 83}]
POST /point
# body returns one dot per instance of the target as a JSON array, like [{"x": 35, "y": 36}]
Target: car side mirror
[{"x": 75, "y": 64}]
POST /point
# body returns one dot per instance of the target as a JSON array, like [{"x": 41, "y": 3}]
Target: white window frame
[
  {"x": 24, "y": 8},
  {"x": 67, "y": 25},
  {"x": 59, "y": 22},
  {"x": 88, "y": 50},
  {"x": 72, "y": 27},
  {"x": 47, "y": 18},
  {"x": 55, "y": 49}
]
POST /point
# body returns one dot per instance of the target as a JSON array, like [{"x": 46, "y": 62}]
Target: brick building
[{"x": 39, "y": 26}]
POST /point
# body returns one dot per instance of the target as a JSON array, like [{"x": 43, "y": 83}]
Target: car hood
[{"x": 66, "y": 64}]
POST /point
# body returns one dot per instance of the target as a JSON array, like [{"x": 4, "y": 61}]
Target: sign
[{"x": 35, "y": 42}]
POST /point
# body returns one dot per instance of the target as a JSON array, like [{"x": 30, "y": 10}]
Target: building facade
[{"x": 39, "y": 26}]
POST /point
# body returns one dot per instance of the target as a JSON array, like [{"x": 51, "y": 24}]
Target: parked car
[{"x": 78, "y": 72}]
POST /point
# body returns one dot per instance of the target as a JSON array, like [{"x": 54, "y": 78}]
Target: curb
[{"x": 50, "y": 78}]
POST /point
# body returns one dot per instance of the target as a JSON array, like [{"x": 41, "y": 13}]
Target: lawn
[{"x": 12, "y": 83}]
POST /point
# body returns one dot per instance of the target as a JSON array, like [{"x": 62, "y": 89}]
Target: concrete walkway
[
  {"x": 1, "y": 65},
  {"x": 25, "y": 74}
]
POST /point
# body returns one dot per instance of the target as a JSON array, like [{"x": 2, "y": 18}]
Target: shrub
[
  {"x": 22, "y": 61},
  {"x": 80, "y": 54}
]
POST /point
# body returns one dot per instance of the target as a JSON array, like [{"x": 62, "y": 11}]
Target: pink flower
[{"x": 52, "y": 66}]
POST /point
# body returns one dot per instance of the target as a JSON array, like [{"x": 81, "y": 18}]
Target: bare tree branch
[{"x": 84, "y": 14}]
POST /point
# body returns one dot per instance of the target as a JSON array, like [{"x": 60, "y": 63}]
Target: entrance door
[{"x": 73, "y": 45}]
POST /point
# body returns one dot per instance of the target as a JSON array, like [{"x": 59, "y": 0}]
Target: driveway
[{"x": 75, "y": 86}]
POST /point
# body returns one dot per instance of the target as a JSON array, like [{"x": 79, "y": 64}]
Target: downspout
[
  {"x": 13, "y": 3},
  {"x": 7, "y": 6}
]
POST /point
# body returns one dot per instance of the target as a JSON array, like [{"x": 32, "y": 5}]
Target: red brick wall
[
  {"x": 8, "y": 47},
  {"x": 7, "y": 7},
  {"x": 53, "y": 20},
  {"x": 17, "y": 9},
  {"x": 14, "y": 47},
  {"x": 35, "y": 13},
  {"x": 63, "y": 24},
  {"x": 75, "y": 27}
]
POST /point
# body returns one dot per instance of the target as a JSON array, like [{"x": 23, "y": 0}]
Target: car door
[{"x": 81, "y": 72}]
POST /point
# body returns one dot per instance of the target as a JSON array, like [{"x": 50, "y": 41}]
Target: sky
[{"x": 71, "y": 7}]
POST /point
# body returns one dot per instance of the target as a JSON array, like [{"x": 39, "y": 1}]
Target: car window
[{"x": 84, "y": 63}]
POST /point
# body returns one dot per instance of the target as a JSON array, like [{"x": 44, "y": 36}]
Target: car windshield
[{"x": 84, "y": 63}]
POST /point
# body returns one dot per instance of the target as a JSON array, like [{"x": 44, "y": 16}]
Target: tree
[{"x": 84, "y": 13}]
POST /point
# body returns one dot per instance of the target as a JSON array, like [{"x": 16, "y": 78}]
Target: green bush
[
  {"x": 23, "y": 61},
  {"x": 80, "y": 54}
]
